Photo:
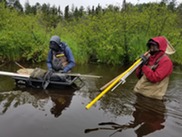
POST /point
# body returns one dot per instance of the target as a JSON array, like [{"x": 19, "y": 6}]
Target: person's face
[
  {"x": 54, "y": 46},
  {"x": 153, "y": 49}
]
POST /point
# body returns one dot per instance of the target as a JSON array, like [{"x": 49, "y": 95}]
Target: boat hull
[{"x": 39, "y": 83}]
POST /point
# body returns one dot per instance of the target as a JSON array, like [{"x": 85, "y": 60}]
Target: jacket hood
[
  {"x": 162, "y": 42},
  {"x": 56, "y": 39}
]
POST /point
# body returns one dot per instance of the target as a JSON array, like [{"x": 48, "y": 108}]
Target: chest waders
[
  {"x": 152, "y": 90},
  {"x": 59, "y": 61}
]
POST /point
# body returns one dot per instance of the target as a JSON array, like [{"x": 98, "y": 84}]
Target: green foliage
[
  {"x": 21, "y": 38},
  {"x": 112, "y": 35}
]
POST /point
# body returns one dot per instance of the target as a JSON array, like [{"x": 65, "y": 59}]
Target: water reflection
[
  {"x": 119, "y": 113},
  {"x": 60, "y": 103},
  {"x": 39, "y": 99},
  {"x": 148, "y": 117}
]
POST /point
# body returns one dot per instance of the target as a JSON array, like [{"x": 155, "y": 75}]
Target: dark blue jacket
[{"x": 68, "y": 54}]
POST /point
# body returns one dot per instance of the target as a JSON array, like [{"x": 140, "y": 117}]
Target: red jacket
[{"x": 164, "y": 67}]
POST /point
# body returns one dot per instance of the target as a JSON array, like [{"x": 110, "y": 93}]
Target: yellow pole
[{"x": 112, "y": 84}]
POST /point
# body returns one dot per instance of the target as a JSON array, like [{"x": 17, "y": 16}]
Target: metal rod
[
  {"x": 112, "y": 84},
  {"x": 117, "y": 79}
]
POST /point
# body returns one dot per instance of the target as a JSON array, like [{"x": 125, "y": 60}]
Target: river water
[{"x": 61, "y": 113}]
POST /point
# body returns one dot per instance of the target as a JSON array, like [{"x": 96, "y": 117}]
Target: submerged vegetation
[{"x": 111, "y": 35}]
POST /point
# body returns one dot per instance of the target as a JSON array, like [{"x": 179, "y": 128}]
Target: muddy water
[{"x": 43, "y": 113}]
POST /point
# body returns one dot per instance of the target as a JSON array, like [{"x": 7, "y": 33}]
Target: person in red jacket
[{"x": 155, "y": 70}]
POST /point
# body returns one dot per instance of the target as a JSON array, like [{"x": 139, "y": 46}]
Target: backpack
[{"x": 38, "y": 73}]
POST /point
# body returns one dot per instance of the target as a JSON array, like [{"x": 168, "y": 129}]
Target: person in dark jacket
[
  {"x": 60, "y": 57},
  {"x": 155, "y": 70}
]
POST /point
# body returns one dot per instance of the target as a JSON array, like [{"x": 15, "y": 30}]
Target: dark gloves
[
  {"x": 61, "y": 71},
  {"x": 51, "y": 69},
  {"x": 144, "y": 60}
]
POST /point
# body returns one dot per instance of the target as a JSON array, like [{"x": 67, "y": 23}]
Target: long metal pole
[
  {"x": 13, "y": 74},
  {"x": 88, "y": 106}
]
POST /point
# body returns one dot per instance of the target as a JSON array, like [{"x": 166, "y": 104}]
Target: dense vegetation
[{"x": 111, "y": 35}]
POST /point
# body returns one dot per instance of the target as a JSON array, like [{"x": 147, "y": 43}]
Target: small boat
[
  {"x": 24, "y": 79},
  {"x": 71, "y": 82}
]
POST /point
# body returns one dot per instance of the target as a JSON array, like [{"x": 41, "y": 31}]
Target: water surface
[{"x": 53, "y": 112}]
